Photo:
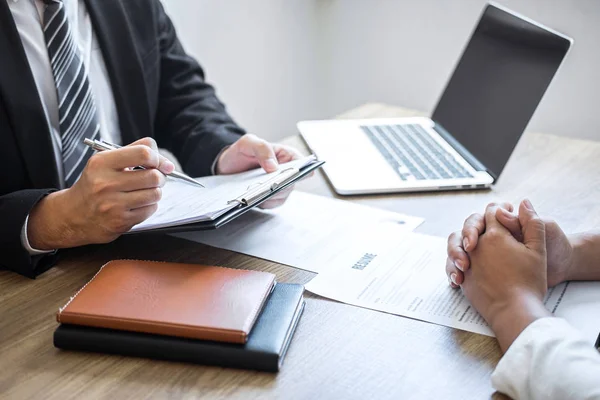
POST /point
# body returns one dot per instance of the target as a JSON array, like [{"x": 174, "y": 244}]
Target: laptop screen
[{"x": 497, "y": 85}]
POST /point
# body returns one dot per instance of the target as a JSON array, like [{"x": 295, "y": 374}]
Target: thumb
[
  {"x": 510, "y": 222},
  {"x": 534, "y": 229},
  {"x": 164, "y": 164},
  {"x": 266, "y": 156},
  {"x": 262, "y": 151}
]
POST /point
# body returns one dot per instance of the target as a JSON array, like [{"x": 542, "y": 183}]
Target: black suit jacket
[{"x": 159, "y": 91}]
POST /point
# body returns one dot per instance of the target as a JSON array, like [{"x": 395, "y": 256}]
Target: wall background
[{"x": 275, "y": 62}]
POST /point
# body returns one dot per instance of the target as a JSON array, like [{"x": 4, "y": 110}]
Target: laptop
[{"x": 492, "y": 94}]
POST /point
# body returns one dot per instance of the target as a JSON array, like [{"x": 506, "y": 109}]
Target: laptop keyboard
[{"x": 412, "y": 152}]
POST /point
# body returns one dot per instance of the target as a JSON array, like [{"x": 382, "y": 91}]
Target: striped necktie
[{"x": 76, "y": 106}]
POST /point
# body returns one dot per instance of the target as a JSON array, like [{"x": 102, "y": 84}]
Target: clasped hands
[
  {"x": 110, "y": 197},
  {"x": 504, "y": 263}
]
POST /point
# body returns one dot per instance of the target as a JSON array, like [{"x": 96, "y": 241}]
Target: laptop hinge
[{"x": 460, "y": 149}]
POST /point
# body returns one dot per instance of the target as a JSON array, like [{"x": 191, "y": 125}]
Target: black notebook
[{"x": 264, "y": 351}]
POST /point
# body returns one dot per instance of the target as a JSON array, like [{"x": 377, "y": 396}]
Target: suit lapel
[
  {"x": 124, "y": 67},
  {"x": 24, "y": 107}
]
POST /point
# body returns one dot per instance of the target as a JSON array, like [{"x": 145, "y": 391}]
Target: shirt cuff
[
  {"x": 521, "y": 372},
  {"x": 213, "y": 167},
  {"x": 27, "y": 246}
]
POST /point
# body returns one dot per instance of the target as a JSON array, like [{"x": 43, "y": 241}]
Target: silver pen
[{"x": 101, "y": 145}]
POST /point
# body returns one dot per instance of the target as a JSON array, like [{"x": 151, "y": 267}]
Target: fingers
[
  {"x": 456, "y": 253},
  {"x": 146, "y": 141},
  {"x": 141, "y": 214},
  {"x": 491, "y": 223},
  {"x": 260, "y": 149},
  {"x": 473, "y": 228},
  {"x": 278, "y": 199},
  {"x": 534, "y": 229},
  {"x": 130, "y": 181},
  {"x": 250, "y": 152},
  {"x": 455, "y": 277},
  {"x": 510, "y": 222},
  {"x": 164, "y": 165},
  {"x": 286, "y": 153},
  {"x": 459, "y": 243},
  {"x": 128, "y": 157},
  {"x": 141, "y": 198}
]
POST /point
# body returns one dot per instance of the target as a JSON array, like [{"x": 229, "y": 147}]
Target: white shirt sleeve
[
  {"x": 27, "y": 246},
  {"x": 549, "y": 360}
]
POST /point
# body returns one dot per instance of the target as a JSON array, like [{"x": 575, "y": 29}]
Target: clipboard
[{"x": 254, "y": 196}]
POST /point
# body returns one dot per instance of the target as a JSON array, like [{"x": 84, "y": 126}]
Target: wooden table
[{"x": 339, "y": 351}]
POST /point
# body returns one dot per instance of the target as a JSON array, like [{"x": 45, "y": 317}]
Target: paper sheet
[
  {"x": 578, "y": 303},
  {"x": 407, "y": 277},
  {"x": 185, "y": 203},
  {"x": 308, "y": 232}
]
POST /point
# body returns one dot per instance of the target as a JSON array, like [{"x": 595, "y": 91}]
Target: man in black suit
[{"x": 105, "y": 69}]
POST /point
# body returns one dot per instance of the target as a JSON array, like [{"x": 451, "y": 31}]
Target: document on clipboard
[{"x": 224, "y": 197}]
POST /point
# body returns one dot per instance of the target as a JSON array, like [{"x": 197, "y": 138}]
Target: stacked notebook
[{"x": 180, "y": 312}]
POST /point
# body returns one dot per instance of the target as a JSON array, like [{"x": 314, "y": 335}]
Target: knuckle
[
  {"x": 452, "y": 237},
  {"x": 453, "y": 253},
  {"x": 155, "y": 178},
  {"x": 491, "y": 205},
  {"x": 263, "y": 145},
  {"x": 100, "y": 185},
  {"x": 537, "y": 219},
  {"x": 537, "y": 223},
  {"x": 145, "y": 154},
  {"x": 95, "y": 161},
  {"x": 474, "y": 217},
  {"x": 148, "y": 211},
  {"x": 449, "y": 265},
  {"x": 152, "y": 209},
  {"x": 492, "y": 234},
  {"x": 88, "y": 174},
  {"x": 151, "y": 142},
  {"x": 162, "y": 181},
  {"x": 146, "y": 141},
  {"x": 155, "y": 195},
  {"x": 106, "y": 207},
  {"x": 119, "y": 224}
]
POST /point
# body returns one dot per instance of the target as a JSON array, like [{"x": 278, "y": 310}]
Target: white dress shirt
[
  {"x": 549, "y": 360},
  {"x": 28, "y": 17}
]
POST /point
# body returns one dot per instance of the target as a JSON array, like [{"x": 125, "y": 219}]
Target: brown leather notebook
[{"x": 185, "y": 300}]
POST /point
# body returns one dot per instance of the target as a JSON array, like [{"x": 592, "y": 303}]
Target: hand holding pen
[
  {"x": 101, "y": 145},
  {"x": 106, "y": 201}
]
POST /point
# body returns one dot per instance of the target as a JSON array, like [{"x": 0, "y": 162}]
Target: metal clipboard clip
[{"x": 259, "y": 190}]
